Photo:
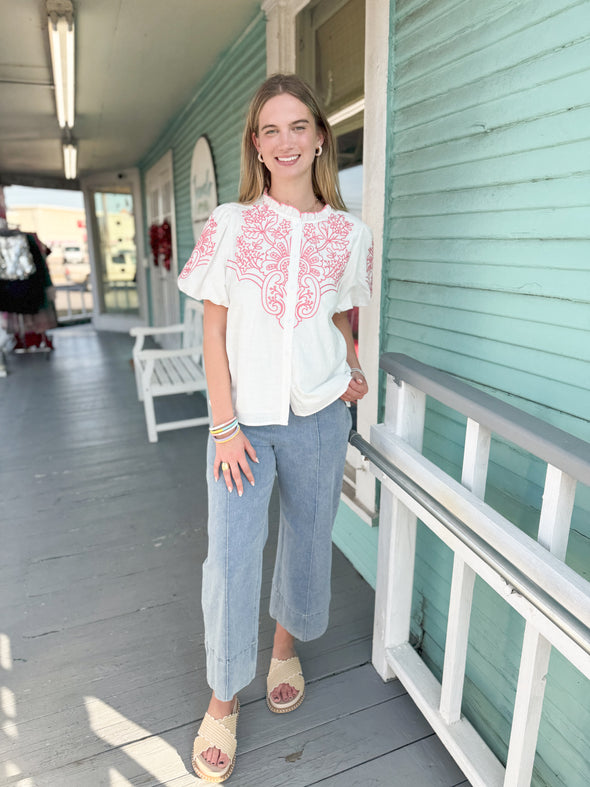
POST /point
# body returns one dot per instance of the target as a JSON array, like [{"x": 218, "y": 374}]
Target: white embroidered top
[{"x": 283, "y": 275}]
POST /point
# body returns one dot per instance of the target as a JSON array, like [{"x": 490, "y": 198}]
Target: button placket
[{"x": 290, "y": 306}]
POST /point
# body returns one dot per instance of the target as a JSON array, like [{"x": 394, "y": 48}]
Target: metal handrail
[{"x": 553, "y": 445}]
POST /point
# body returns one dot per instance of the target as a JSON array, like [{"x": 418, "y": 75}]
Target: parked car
[
  {"x": 77, "y": 273},
  {"x": 74, "y": 255},
  {"x": 121, "y": 266}
]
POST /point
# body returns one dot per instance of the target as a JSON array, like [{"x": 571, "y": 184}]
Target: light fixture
[
  {"x": 350, "y": 111},
  {"x": 61, "y": 42},
  {"x": 70, "y": 159}
]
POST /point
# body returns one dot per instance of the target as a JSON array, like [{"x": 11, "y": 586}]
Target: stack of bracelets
[{"x": 226, "y": 431}]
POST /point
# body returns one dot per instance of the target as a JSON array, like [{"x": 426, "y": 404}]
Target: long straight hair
[{"x": 255, "y": 177}]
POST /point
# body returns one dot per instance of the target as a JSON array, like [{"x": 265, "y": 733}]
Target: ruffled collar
[{"x": 289, "y": 212}]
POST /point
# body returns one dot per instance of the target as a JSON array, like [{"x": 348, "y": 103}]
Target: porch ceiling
[{"x": 137, "y": 63}]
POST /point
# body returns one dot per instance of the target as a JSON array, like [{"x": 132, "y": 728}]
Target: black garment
[{"x": 26, "y": 296}]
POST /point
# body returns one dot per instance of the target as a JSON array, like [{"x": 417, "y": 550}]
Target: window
[
  {"x": 331, "y": 51},
  {"x": 331, "y": 57}
]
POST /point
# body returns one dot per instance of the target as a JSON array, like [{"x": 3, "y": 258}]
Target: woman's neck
[{"x": 302, "y": 198}]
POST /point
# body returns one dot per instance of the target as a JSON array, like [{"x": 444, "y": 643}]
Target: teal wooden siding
[
  {"x": 487, "y": 276},
  {"x": 355, "y": 539},
  {"x": 217, "y": 110}
]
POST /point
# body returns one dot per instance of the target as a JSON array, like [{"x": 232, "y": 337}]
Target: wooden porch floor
[{"x": 102, "y": 678}]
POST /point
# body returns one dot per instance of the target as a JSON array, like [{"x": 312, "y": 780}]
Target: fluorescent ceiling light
[
  {"x": 350, "y": 111},
  {"x": 70, "y": 160},
  {"x": 61, "y": 41}
]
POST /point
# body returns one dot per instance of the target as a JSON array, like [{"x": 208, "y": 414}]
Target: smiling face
[{"x": 287, "y": 138}]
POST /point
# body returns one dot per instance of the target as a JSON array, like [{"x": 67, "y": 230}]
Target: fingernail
[
  {"x": 240, "y": 493},
  {"x": 252, "y": 483},
  {"x": 257, "y": 461}
]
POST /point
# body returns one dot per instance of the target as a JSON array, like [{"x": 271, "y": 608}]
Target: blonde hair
[{"x": 255, "y": 177}]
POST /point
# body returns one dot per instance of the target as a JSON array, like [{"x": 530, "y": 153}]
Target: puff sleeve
[
  {"x": 357, "y": 282},
  {"x": 204, "y": 275}
]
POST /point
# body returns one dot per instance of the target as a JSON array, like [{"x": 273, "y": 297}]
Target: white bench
[{"x": 166, "y": 372}]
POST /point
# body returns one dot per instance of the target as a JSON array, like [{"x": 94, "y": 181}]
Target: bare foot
[
  {"x": 218, "y": 709},
  {"x": 283, "y": 648}
]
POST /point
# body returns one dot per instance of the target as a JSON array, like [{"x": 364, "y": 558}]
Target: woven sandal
[
  {"x": 285, "y": 671},
  {"x": 219, "y": 734}
]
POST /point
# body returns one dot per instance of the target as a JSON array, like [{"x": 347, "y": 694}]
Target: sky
[
  {"x": 23, "y": 195},
  {"x": 351, "y": 187}
]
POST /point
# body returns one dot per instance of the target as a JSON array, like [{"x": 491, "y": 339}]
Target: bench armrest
[
  {"x": 139, "y": 330},
  {"x": 146, "y": 355}
]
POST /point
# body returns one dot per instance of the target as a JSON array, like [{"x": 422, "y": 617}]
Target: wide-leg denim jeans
[{"x": 308, "y": 458}]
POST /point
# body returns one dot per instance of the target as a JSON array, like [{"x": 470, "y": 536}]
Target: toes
[
  {"x": 283, "y": 694},
  {"x": 212, "y": 756}
]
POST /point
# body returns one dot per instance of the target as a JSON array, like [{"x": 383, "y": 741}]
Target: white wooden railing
[
  {"x": 529, "y": 575},
  {"x": 71, "y": 303},
  {"x": 122, "y": 295}
]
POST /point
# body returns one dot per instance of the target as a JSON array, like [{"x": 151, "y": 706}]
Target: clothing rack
[{"x": 26, "y": 293}]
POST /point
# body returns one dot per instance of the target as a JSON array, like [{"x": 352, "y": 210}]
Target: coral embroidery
[
  {"x": 323, "y": 259},
  {"x": 263, "y": 251},
  {"x": 370, "y": 267},
  {"x": 262, "y": 256},
  {"x": 203, "y": 251}
]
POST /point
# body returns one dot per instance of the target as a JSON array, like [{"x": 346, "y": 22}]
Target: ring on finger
[{"x": 224, "y": 466}]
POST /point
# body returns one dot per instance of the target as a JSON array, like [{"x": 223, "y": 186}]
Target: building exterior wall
[
  {"x": 487, "y": 276},
  {"x": 217, "y": 110},
  {"x": 57, "y": 227}
]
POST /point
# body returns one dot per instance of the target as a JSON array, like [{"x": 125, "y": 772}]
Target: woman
[{"x": 277, "y": 272}]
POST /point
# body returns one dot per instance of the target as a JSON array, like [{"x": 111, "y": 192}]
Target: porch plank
[
  {"x": 342, "y": 743},
  {"x": 421, "y": 764}
]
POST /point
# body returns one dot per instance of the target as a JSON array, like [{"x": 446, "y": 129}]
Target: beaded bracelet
[
  {"x": 223, "y": 426},
  {"x": 360, "y": 371},
  {"x": 221, "y": 429},
  {"x": 222, "y": 433},
  {"x": 224, "y": 439}
]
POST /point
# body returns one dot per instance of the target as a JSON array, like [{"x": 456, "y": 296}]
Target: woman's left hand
[{"x": 357, "y": 388}]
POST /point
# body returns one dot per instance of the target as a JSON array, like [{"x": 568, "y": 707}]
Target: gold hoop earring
[
  {"x": 260, "y": 159},
  {"x": 318, "y": 151}
]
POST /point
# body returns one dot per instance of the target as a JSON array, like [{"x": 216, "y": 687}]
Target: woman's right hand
[{"x": 235, "y": 452}]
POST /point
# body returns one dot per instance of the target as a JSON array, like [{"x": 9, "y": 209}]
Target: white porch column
[{"x": 280, "y": 34}]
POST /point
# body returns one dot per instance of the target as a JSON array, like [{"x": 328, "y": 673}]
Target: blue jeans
[{"x": 308, "y": 457}]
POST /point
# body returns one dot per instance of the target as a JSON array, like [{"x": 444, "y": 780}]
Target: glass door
[{"x": 118, "y": 254}]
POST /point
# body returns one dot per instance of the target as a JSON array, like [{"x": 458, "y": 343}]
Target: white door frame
[
  {"x": 163, "y": 172},
  {"x": 122, "y": 181},
  {"x": 280, "y": 55}
]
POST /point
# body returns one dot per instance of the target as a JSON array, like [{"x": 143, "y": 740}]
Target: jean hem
[
  {"x": 228, "y": 676},
  {"x": 303, "y": 627}
]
